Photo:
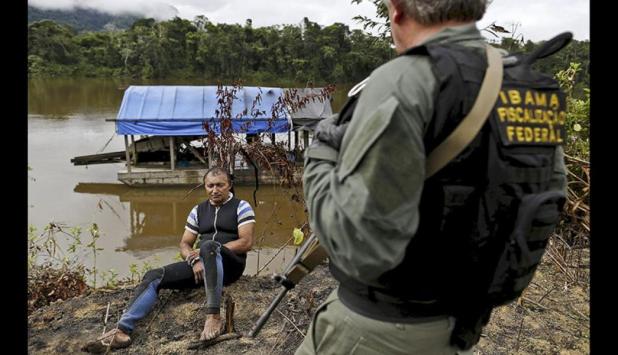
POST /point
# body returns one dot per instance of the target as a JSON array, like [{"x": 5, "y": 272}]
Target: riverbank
[
  {"x": 551, "y": 318},
  {"x": 177, "y": 320}
]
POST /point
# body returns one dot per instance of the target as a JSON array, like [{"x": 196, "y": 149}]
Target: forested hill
[
  {"x": 179, "y": 48},
  {"x": 82, "y": 19}
]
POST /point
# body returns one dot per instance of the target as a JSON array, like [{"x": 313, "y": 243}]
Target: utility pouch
[{"x": 536, "y": 217}]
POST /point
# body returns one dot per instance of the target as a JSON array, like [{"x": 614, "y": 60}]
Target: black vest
[
  {"x": 466, "y": 252},
  {"x": 218, "y": 222}
]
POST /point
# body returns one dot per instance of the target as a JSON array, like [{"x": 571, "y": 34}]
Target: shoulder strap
[{"x": 472, "y": 123}]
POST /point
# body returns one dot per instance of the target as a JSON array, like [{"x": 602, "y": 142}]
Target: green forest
[{"x": 179, "y": 48}]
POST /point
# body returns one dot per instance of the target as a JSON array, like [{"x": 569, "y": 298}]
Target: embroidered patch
[{"x": 526, "y": 116}]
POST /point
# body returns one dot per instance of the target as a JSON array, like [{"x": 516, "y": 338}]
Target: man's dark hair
[{"x": 218, "y": 171}]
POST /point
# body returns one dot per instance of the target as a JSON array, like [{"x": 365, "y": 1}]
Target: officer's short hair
[
  {"x": 432, "y": 12},
  {"x": 218, "y": 171}
]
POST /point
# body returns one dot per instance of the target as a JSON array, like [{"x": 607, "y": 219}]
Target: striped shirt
[{"x": 244, "y": 212}]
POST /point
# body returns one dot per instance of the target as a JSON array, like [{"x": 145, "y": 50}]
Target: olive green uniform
[{"x": 363, "y": 202}]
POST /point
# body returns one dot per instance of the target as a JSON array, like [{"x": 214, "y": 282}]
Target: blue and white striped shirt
[{"x": 244, "y": 212}]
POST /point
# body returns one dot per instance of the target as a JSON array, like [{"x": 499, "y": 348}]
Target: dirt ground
[
  {"x": 552, "y": 318},
  {"x": 178, "y": 318}
]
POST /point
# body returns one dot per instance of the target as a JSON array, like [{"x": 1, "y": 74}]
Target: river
[{"x": 140, "y": 226}]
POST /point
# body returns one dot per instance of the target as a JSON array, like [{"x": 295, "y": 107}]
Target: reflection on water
[
  {"x": 68, "y": 97},
  {"x": 136, "y": 224},
  {"x": 157, "y": 216},
  {"x": 57, "y": 98}
]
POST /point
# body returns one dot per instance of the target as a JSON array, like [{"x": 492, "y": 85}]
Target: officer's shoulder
[
  {"x": 401, "y": 67},
  {"x": 402, "y": 76}
]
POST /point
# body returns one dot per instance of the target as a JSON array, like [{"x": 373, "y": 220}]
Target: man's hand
[
  {"x": 330, "y": 133},
  {"x": 198, "y": 272},
  {"x": 198, "y": 266}
]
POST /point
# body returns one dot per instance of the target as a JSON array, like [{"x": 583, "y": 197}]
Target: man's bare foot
[
  {"x": 114, "y": 339},
  {"x": 213, "y": 327}
]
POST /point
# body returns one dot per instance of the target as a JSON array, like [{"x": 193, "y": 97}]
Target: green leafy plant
[
  {"x": 110, "y": 277},
  {"x": 53, "y": 273},
  {"x": 92, "y": 246},
  {"x": 578, "y": 113}
]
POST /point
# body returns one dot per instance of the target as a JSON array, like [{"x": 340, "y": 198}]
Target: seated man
[{"x": 225, "y": 226}]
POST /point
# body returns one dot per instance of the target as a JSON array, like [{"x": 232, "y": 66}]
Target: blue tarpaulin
[{"x": 184, "y": 110}]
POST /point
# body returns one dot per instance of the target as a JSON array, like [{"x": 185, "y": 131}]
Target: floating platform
[
  {"x": 164, "y": 176},
  {"x": 175, "y": 121}
]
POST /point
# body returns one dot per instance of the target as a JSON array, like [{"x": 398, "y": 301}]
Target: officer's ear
[{"x": 396, "y": 9}]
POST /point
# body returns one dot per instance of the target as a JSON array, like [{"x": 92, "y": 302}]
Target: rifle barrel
[{"x": 260, "y": 323}]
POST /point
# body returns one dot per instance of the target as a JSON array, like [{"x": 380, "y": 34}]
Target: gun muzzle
[
  {"x": 260, "y": 323},
  {"x": 307, "y": 258}
]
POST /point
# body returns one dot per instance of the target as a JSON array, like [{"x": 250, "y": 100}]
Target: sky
[{"x": 533, "y": 19}]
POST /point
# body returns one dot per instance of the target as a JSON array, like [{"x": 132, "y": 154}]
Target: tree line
[{"x": 179, "y": 48}]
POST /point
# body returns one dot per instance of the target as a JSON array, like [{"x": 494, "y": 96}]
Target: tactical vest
[
  {"x": 218, "y": 222},
  {"x": 486, "y": 216}
]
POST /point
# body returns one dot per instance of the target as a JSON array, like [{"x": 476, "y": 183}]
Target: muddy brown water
[{"x": 141, "y": 226}]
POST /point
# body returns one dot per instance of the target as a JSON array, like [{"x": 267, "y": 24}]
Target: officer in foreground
[{"x": 423, "y": 258}]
